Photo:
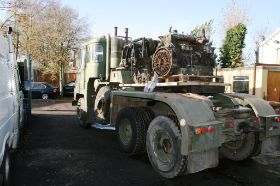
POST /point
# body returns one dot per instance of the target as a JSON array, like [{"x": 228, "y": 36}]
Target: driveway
[{"x": 56, "y": 151}]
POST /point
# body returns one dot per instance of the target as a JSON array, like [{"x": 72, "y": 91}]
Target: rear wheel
[
  {"x": 163, "y": 143},
  {"x": 247, "y": 146},
  {"x": 45, "y": 96},
  {"x": 5, "y": 169},
  {"x": 131, "y": 127}
]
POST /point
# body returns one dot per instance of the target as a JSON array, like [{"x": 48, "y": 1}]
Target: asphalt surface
[{"x": 56, "y": 151}]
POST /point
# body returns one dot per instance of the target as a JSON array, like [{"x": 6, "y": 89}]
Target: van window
[{"x": 98, "y": 53}]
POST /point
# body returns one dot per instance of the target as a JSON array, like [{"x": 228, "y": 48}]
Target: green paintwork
[
  {"x": 121, "y": 76},
  {"x": 95, "y": 63},
  {"x": 116, "y": 49}
]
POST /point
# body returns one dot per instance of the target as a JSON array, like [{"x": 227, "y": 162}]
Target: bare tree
[
  {"x": 260, "y": 34},
  {"x": 234, "y": 14},
  {"x": 49, "y": 31}
]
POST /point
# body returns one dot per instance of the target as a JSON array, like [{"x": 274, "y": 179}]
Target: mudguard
[
  {"x": 263, "y": 110},
  {"x": 191, "y": 113},
  {"x": 261, "y": 107}
]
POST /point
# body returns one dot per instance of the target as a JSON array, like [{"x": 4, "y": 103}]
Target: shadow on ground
[{"x": 56, "y": 151}]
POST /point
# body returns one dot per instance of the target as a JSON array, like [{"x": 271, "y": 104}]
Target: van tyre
[
  {"x": 242, "y": 149},
  {"x": 163, "y": 143},
  {"x": 131, "y": 127},
  {"x": 5, "y": 169}
]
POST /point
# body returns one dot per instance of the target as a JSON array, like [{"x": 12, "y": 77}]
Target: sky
[{"x": 153, "y": 18}]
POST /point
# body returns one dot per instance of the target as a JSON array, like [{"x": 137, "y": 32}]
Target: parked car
[
  {"x": 68, "y": 89},
  {"x": 10, "y": 107},
  {"x": 43, "y": 90}
]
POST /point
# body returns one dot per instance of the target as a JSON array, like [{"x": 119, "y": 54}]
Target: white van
[{"x": 10, "y": 106}]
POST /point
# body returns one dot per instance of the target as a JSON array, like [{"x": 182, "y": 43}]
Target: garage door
[{"x": 273, "y": 86}]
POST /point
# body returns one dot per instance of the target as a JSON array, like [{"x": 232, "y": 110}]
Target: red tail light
[
  {"x": 54, "y": 90},
  {"x": 277, "y": 119},
  {"x": 211, "y": 129},
  {"x": 203, "y": 130}
]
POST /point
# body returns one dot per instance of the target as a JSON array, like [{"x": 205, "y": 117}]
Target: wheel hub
[
  {"x": 125, "y": 131},
  {"x": 163, "y": 147}
]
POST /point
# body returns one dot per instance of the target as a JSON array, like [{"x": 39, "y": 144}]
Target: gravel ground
[{"x": 56, "y": 151}]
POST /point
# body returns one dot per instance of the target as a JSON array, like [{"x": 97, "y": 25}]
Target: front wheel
[
  {"x": 5, "y": 168},
  {"x": 163, "y": 143},
  {"x": 82, "y": 115}
]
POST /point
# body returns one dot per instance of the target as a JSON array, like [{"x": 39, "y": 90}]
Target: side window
[
  {"x": 35, "y": 86},
  {"x": 42, "y": 86},
  {"x": 241, "y": 84},
  {"x": 98, "y": 53}
]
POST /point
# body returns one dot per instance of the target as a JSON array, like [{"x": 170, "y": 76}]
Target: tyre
[
  {"x": 131, "y": 127},
  {"x": 248, "y": 146},
  {"x": 257, "y": 147},
  {"x": 82, "y": 120},
  {"x": 5, "y": 169},
  {"x": 45, "y": 96},
  {"x": 82, "y": 116},
  {"x": 163, "y": 144},
  {"x": 102, "y": 104}
]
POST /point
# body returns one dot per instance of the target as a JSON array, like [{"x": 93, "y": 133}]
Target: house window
[{"x": 241, "y": 84}]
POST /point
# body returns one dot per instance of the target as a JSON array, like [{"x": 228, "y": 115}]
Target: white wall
[
  {"x": 229, "y": 73},
  {"x": 269, "y": 50},
  {"x": 261, "y": 78}
]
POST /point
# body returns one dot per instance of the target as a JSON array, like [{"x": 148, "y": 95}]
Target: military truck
[{"x": 164, "y": 100}]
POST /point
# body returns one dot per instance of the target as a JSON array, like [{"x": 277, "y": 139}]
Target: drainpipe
[
  {"x": 254, "y": 79},
  {"x": 108, "y": 55},
  {"x": 255, "y": 68}
]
